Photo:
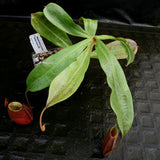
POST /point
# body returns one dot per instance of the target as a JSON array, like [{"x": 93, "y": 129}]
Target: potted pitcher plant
[{"x": 64, "y": 70}]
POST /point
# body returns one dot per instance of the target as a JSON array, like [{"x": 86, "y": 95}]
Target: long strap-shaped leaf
[
  {"x": 57, "y": 16},
  {"x": 90, "y": 25},
  {"x": 121, "y": 98},
  {"x": 42, "y": 75},
  {"x": 49, "y": 31},
  {"x": 68, "y": 81}
]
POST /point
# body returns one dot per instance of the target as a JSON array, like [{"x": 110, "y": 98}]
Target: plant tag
[{"x": 37, "y": 43}]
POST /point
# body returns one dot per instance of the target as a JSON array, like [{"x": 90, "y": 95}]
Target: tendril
[
  {"x": 27, "y": 98},
  {"x": 43, "y": 127}
]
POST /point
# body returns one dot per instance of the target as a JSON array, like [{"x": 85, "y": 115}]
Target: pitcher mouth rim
[{"x": 15, "y": 106}]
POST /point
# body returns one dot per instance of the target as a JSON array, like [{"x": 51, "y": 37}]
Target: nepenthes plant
[{"x": 64, "y": 71}]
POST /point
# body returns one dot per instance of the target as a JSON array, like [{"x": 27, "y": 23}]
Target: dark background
[{"x": 139, "y": 11}]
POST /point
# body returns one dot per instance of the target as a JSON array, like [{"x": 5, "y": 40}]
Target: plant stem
[{"x": 92, "y": 44}]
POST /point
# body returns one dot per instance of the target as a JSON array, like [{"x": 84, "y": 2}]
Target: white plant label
[{"x": 37, "y": 43}]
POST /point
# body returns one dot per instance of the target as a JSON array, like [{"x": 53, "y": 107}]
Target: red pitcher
[{"x": 19, "y": 113}]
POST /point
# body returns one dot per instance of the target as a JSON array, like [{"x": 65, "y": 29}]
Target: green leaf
[
  {"x": 89, "y": 25},
  {"x": 121, "y": 98},
  {"x": 49, "y": 31},
  {"x": 57, "y": 16},
  {"x": 68, "y": 81},
  {"x": 118, "y": 50},
  {"x": 42, "y": 75},
  {"x": 128, "y": 49}
]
